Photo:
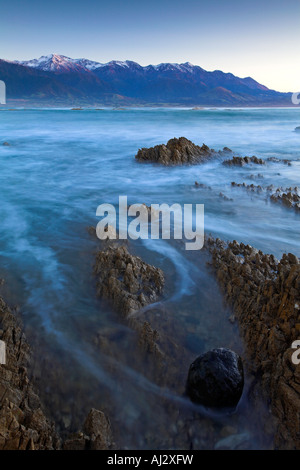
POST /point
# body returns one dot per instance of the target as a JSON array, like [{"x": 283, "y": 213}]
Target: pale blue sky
[{"x": 258, "y": 38}]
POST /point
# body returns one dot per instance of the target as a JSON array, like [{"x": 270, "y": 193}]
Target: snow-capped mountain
[
  {"x": 57, "y": 63},
  {"x": 61, "y": 63},
  {"x": 59, "y": 78},
  {"x": 167, "y": 67}
]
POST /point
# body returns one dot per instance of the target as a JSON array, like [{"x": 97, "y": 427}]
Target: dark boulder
[{"x": 216, "y": 379}]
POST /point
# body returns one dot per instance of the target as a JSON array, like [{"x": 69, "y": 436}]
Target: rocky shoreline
[
  {"x": 23, "y": 422},
  {"x": 265, "y": 296}
]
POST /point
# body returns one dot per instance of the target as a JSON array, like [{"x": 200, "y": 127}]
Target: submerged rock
[
  {"x": 289, "y": 197},
  {"x": 177, "y": 152},
  {"x": 241, "y": 161},
  {"x": 202, "y": 186},
  {"x": 250, "y": 187},
  {"x": 216, "y": 379},
  {"x": 258, "y": 176},
  {"x": 234, "y": 442},
  {"x": 279, "y": 160},
  {"x": 226, "y": 198}
]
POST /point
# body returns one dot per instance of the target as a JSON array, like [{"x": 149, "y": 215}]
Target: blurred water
[{"x": 62, "y": 164}]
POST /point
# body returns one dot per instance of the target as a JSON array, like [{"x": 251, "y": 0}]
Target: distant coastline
[{"x": 13, "y": 105}]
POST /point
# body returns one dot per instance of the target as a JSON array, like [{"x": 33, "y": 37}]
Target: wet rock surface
[
  {"x": 202, "y": 186},
  {"x": 178, "y": 152},
  {"x": 249, "y": 187},
  {"x": 216, "y": 379},
  {"x": 265, "y": 296},
  {"x": 130, "y": 285},
  {"x": 23, "y": 422},
  {"x": 234, "y": 442},
  {"x": 163, "y": 356},
  {"x": 257, "y": 176},
  {"x": 96, "y": 434},
  {"x": 241, "y": 161},
  {"x": 289, "y": 197},
  {"x": 279, "y": 160},
  {"x": 224, "y": 197},
  {"x": 127, "y": 281},
  {"x": 23, "y": 425}
]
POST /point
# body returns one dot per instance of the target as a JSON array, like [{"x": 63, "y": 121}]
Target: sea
[{"x": 59, "y": 166}]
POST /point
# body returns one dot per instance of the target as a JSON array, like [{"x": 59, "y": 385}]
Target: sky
[{"x": 257, "y": 38}]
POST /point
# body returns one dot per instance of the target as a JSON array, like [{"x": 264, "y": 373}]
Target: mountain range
[{"x": 57, "y": 80}]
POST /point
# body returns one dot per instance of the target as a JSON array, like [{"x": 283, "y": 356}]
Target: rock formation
[
  {"x": 289, "y": 197},
  {"x": 96, "y": 434},
  {"x": 241, "y": 161},
  {"x": 177, "y": 152},
  {"x": 127, "y": 281},
  {"x": 265, "y": 296},
  {"x": 23, "y": 424},
  {"x": 279, "y": 160}
]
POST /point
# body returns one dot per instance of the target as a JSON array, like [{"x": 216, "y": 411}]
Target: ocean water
[{"x": 59, "y": 167}]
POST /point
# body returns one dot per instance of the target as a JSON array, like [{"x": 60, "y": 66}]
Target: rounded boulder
[{"x": 216, "y": 379}]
